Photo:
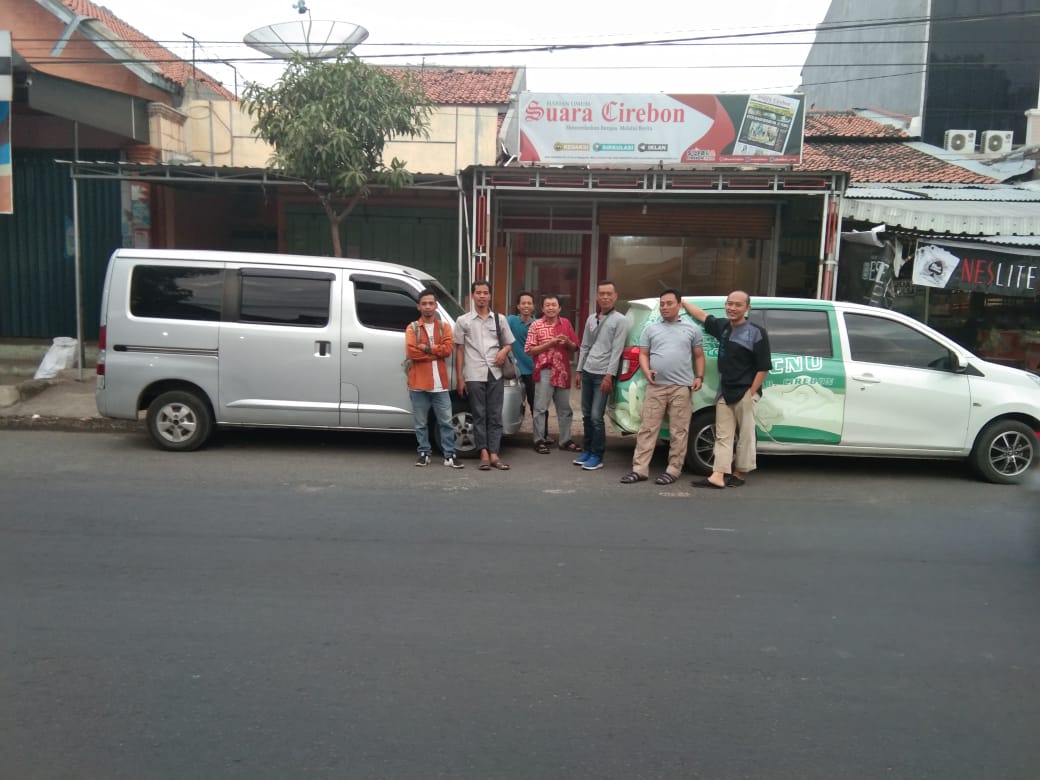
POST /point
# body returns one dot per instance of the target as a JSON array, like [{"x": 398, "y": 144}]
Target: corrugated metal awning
[{"x": 949, "y": 217}]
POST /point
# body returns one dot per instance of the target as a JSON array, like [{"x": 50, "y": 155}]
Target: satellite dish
[{"x": 315, "y": 39}]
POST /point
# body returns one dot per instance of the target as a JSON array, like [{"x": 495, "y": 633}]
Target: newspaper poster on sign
[
  {"x": 766, "y": 125},
  {"x": 933, "y": 266}
]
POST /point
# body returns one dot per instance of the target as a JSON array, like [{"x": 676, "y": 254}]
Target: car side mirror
[{"x": 958, "y": 364}]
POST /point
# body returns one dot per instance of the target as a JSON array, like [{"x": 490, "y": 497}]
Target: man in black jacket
[{"x": 744, "y": 362}]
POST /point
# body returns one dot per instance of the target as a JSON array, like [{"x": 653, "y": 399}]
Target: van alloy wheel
[
  {"x": 179, "y": 421},
  {"x": 465, "y": 437}
]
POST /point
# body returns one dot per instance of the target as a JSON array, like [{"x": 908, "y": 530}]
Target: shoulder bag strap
[
  {"x": 599, "y": 330},
  {"x": 498, "y": 329}
]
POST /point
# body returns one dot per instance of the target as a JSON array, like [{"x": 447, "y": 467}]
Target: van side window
[
  {"x": 383, "y": 304},
  {"x": 797, "y": 332},
  {"x": 300, "y": 299},
  {"x": 173, "y": 293},
  {"x": 880, "y": 340}
]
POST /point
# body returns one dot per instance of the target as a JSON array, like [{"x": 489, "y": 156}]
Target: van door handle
[
  {"x": 869, "y": 379},
  {"x": 355, "y": 345},
  {"x": 323, "y": 348}
]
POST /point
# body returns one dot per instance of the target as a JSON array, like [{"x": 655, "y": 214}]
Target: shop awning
[{"x": 962, "y": 212}]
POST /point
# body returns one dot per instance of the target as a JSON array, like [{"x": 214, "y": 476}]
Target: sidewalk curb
[
  {"x": 69, "y": 424},
  {"x": 23, "y": 391}
]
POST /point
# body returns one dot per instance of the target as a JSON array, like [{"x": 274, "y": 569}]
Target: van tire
[
  {"x": 179, "y": 421},
  {"x": 1005, "y": 451},
  {"x": 462, "y": 424},
  {"x": 700, "y": 450}
]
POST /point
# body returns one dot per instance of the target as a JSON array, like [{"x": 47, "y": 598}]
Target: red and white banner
[{"x": 652, "y": 129}]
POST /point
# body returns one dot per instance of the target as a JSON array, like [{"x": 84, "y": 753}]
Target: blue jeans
[
  {"x": 593, "y": 407},
  {"x": 422, "y": 400}
]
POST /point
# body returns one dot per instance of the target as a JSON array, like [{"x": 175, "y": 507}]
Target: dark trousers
[
  {"x": 485, "y": 404},
  {"x": 593, "y": 407}
]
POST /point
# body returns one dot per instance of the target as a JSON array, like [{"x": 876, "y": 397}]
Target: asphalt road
[{"x": 285, "y": 605}]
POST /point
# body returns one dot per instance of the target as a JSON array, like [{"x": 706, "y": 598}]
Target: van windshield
[{"x": 445, "y": 299}]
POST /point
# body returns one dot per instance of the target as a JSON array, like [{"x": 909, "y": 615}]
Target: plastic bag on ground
[{"x": 61, "y": 355}]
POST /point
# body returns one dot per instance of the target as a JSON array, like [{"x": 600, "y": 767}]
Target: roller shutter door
[{"x": 672, "y": 220}]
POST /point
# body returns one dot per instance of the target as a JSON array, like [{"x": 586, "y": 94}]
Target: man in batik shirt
[{"x": 551, "y": 341}]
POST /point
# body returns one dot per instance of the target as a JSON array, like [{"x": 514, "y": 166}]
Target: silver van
[{"x": 199, "y": 338}]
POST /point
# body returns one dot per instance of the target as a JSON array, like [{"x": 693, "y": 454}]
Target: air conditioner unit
[
  {"x": 959, "y": 141},
  {"x": 996, "y": 141}
]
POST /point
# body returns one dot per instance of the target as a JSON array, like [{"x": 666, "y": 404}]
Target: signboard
[
  {"x": 978, "y": 268},
  {"x": 657, "y": 129},
  {"x": 6, "y": 96}
]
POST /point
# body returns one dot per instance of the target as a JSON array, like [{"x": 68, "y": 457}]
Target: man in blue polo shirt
[{"x": 744, "y": 363}]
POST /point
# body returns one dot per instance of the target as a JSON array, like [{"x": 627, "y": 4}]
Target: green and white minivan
[{"x": 856, "y": 380}]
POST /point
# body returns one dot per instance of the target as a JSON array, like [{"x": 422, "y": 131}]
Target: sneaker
[
  {"x": 423, "y": 459},
  {"x": 450, "y": 462},
  {"x": 592, "y": 463},
  {"x": 580, "y": 460}
]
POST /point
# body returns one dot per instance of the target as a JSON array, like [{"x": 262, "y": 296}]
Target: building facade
[{"x": 969, "y": 65}]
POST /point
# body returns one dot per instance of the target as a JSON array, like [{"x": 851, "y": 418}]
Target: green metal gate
[
  {"x": 37, "y": 265},
  {"x": 424, "y": 238}
]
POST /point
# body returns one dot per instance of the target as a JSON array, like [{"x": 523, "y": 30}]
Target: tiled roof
[
  {"x": 873, "y": 152},
  {"x": 464, "y": 86},
  {"x": 848, "y": 124},
  {"x": 883, "y": 162},
  {"x": 169, "y": 64}
]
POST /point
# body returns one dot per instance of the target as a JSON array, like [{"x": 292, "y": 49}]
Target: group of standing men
[
  {"x": 671, "y": 356},
  {"x": 483, "y": 345},
  {"x": 548, "y": 344}
]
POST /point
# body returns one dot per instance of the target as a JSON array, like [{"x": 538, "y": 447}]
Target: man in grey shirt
[
  {"x": 671, "y": 356},
  {"x": 602, "y": 343},
  {"x": 484, "y": 340}
]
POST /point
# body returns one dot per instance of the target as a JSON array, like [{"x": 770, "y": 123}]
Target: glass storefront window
[
  {"x": 1001, "y": 328},
  {"x": 643, "y": 266}
]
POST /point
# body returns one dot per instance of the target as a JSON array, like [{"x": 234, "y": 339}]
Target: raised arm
[{"x": 695, "y": 311}]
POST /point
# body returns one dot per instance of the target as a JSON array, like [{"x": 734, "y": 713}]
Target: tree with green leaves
[{"x": 329, "y": 122}]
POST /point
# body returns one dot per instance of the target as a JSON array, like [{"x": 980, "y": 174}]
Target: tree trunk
[
  {"x": 337, "y": 246},
  {"x": 335, "y": 220}
]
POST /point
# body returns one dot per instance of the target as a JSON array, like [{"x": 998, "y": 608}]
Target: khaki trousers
[
  {"x": 735, "y": 425},
  {"x": 676, "y": 402}
]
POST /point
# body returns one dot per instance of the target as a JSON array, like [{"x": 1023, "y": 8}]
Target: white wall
[{"x": 220, "y": 133}]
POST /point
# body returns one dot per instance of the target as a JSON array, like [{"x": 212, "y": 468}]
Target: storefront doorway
[
  {"x": 545, "y": 263},
  {"x": 555, "y": 276}
]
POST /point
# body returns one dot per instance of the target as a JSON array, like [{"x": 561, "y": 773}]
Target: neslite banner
[
  {"x": 988, "y": 268},
  {"x": 653, "y": 129}
]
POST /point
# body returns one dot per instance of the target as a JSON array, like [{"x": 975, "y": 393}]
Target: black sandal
[
  {"x": 632, "y": 477},
  {"x": 542, "y": 448},
  {"x": 570, "y": 446}
]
